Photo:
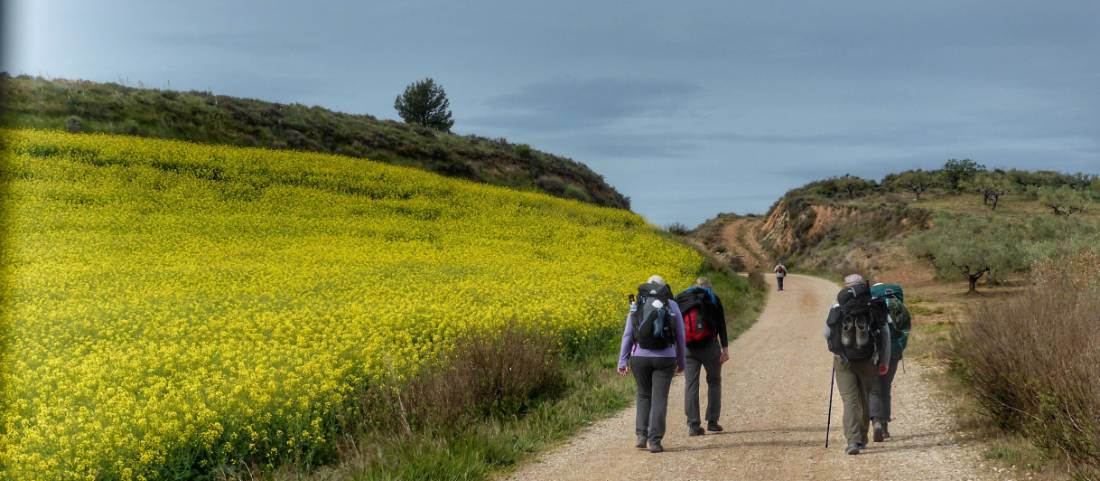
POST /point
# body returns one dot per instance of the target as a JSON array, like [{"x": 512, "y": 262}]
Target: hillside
[
  {"x": 174, "y": 309},
  {"x": 218, "y": 119},
  {"x": 991, "y": 264},
  {"x": 848, "y": 224}
]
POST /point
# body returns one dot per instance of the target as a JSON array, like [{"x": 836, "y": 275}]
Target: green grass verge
[{"x": 495, "y": 444}]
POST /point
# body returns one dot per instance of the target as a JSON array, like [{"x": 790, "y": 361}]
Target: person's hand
[
  {"x": 623, "y": 371},
  {"x": 725, "y": 355},
  {"x": 679, "y": 369},
  {"x": 883, "y": 369}
]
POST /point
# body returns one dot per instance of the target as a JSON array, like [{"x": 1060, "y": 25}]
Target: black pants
[
  {"x": 707, "y": 356},
  {"x": 881, "y": 399},
  {"x": 653, "y": 375},
  {"x": 779, "y": 280}
]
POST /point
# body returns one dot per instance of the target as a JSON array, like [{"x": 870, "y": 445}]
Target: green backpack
[{"x": 901, "y": 320}]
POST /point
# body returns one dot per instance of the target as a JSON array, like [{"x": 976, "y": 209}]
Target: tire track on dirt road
[{"x": 775, "y": 394}]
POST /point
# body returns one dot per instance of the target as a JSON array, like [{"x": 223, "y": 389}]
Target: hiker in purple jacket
[{"x": 653, "y": 344}]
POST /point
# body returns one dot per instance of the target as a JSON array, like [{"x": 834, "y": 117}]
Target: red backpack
[{"x": 697, "y": 307}]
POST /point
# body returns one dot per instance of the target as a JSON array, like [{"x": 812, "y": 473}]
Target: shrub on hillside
[
  {"x": 678, "y": 229},
  {"x": 1032, "y": 360},
  {"x": 1064, "y": 201}
]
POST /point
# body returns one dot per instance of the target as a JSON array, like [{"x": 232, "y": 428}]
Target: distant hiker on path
[
  {"x": 707, "y": 348},
  {"x": 653, "y": 343},
  {"x": 780, "y": 272},
  {"x": 899, "y": 322},
  {"x": 857, "y": 335}
]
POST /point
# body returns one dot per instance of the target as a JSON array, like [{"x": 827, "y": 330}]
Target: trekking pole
[{"x": 829, "y": 419}]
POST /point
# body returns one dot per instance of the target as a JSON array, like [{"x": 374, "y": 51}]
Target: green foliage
[
  {"x": 1063, "y": 201},
  {"x": 218, "y": 119},
  {"x": 425, "y": 103},
  {"x": 992, "y": 185},
  {"x": 971, "y": 246},
  {"x": 835, "y": 188},
  {"x": 956, "y": 172},
  {"x": 916, "y": 181}
]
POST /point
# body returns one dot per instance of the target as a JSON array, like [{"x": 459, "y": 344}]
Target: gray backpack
[{"x": 651, "y": 317}]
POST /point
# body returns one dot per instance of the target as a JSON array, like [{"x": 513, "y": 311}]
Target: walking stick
[{"x": 829, "y": 420}]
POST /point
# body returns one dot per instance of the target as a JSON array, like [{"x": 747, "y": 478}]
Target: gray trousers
[
  {"x": 706, "y": 357},
  {"x": 882, "y": 399},
  {"x": 653, "y": 375},
  {"x": 856, "y": 381}
]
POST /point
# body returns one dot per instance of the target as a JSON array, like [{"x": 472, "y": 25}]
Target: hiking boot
[
  {"x": 714, "y": 427},
  {"x": 886, "y": 430},
  {"x": 655, "y": 447},
  {"x": 880, "y": 431},
  {"x": 861, "y": 445},
  {"x": 641, "y": 444},
  {"x": 695, "y": 431},
  {"x": 852, "y": 449}
]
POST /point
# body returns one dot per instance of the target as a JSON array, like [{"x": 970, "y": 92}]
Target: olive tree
[
  {"x": 916, "y": 181},
  {"x": 992, "y": 185},
  {"x": 1063, "y": 201},
  {"x": 970, "y": 246}
]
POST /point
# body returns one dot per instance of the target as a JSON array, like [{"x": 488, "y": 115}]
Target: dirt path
[
  {"x": 739, "y": 237},
  {"x": 775, "y": 393}
]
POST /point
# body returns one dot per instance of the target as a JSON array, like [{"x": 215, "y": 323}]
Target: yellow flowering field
[{"x": 172, "y": 306}]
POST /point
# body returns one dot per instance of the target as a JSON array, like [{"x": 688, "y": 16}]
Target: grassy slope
[{"x": 202, "y": 117}]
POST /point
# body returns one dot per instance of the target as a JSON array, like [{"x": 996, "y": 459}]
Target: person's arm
[
  {"x": 626, "y": 344},
  {"x": 884, "y": 350},
  {"x": 723, "y": 337},
  {"x": 834, "y": 312},
  {"x": 678, "y": 327}
]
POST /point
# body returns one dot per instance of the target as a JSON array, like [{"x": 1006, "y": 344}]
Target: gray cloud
[{"x": 572, "y": 104}]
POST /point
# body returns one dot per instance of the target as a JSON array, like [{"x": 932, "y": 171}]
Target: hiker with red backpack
[
  {"x": 653, "y": 345},
  {"x": 707, "y": 348},
  {"x": 857, "y": 334},
  {"x": 780, "y": 272}
]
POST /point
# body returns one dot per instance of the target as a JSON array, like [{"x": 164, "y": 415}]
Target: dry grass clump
[
  {"x": 503, "y": 375},
  {"x": 1033, "y": 359}
]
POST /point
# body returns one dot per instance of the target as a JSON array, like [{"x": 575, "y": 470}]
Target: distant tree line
[{"x": 1063, "y": 194}]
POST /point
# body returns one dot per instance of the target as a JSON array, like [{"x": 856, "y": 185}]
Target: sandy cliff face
[{"x": 836, "y": 236}]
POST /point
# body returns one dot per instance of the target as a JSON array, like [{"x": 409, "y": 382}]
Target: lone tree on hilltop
[
  {"x": 992, "y": 185},
  {"x": 425, "y": 103},
  {"x": 955, "y": 172},
  {"x": 970, "y": 245}
]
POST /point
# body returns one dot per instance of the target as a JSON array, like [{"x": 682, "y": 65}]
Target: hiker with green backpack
[
  {"x": 859, "y": 338},
  {"x": 900, "y": 323},
  {"x": 707, "y": 348},
  {"x": 653, "y": 348}
]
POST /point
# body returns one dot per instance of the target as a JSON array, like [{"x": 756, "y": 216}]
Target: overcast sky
[{"x": 689, "y": 108}]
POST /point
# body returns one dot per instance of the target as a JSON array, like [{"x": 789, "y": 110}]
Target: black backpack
[
  {"x": 651, "y": 318},
  {"x": 698, "y": 307},
  {"x": 855, "y": 326}
]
